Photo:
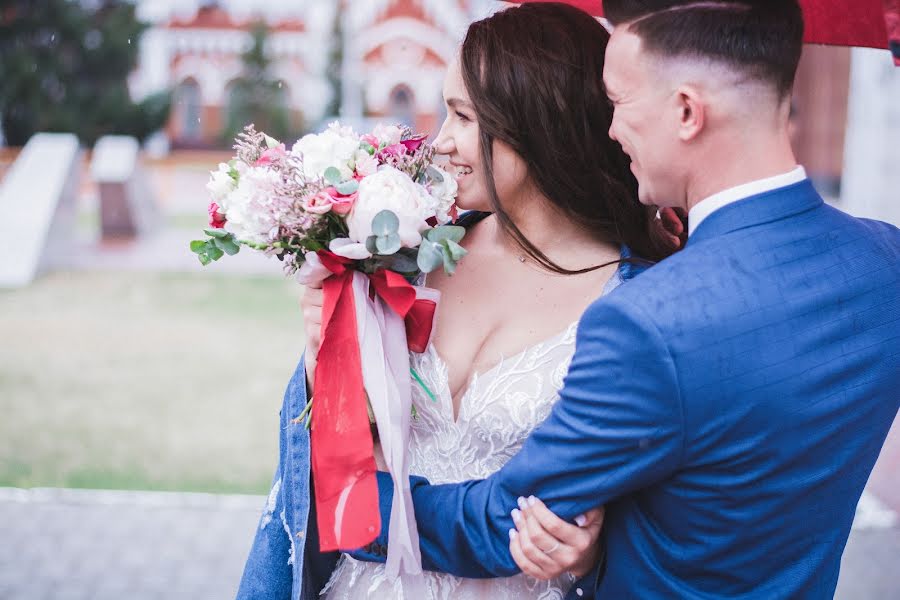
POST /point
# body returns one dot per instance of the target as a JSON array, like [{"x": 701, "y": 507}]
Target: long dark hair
[{"x": 534, "y": 74}]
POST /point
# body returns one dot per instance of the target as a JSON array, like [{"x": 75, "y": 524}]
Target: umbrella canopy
[{"x": 833, "y": 22}]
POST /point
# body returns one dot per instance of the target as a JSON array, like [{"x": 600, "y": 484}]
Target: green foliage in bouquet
[{"x": 219, "y": 243}]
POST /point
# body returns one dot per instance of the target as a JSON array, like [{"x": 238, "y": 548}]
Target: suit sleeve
[{"x": 617, "y": 427}]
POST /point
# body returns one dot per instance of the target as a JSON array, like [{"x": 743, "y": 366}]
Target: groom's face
[{"x": 642, "y": 118}]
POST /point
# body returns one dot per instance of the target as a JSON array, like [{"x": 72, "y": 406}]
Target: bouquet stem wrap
[{"x": 370, "y": 322}]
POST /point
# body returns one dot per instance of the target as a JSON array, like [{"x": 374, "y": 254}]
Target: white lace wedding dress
[{"x": 497, "y": 412}]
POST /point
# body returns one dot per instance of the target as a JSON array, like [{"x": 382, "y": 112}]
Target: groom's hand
[
  {"x": 674, "y": 226},
  {"x": 545, "y": 546}
]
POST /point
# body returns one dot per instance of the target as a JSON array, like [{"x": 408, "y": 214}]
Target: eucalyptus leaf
[
  {"x": 430, "y": 257},
  {"x": 229, "y": 246},
  {"x": 370, "y": 244},
  {"x": 216, "y": 233},
  {"x": 455, "y": 250},
  {"x": 346, "y": 188},
  {"x": 333, "y": 175},
  {"x": 403, "y": 263},
  {"x": 449, "y": 263},
  {"x": 445, "y": 232},
  {"x": 387, "y": 244},
  {"x": 385, "y": 223},
  {"x": 204, "y": 259},
  {"x": 198, "y": 246},
  {"x": 214, "y": 253}
]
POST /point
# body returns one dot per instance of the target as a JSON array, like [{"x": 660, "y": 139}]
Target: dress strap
[{"x": 471, "y": 217}]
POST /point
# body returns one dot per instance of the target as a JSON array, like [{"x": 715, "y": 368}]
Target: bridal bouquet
[{"x": 364, "y": 216}]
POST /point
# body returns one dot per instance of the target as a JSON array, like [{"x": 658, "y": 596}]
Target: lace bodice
[
  {"x": 496, "y": 413},
  {"x": 498, "y": 410}
]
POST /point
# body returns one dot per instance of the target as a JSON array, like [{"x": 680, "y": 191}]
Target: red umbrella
[{"x": 864, "y": 23}]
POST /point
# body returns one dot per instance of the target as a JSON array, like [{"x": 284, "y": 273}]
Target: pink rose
[
  {"x": 216, "y": 218},
  {"x": 393, "y": 150},
  {"x": 340, "y": 204},
  {"x": 370, "y": 139},
  {"x": 318, "y": 204},
  {"x": 271, "y": 155}
]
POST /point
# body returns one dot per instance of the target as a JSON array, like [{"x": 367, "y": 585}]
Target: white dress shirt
[{"x": 708, "y": 206}]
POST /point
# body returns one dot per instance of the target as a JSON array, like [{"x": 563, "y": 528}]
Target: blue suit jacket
[{"x": 727, "y": 406}]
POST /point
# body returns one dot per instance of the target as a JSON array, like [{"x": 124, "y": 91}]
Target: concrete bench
[
  {"x": 127, "y": 206},
  {"x": 37, "y": 206}
]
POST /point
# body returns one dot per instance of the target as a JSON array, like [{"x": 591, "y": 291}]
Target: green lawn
[{"x": 145, "y": 380}]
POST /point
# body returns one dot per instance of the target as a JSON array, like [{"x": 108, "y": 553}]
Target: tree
[
  {"x": 64, "y": 65},
  {"x": 256, "y": 96},
  {"x": 335, "y": 61}
]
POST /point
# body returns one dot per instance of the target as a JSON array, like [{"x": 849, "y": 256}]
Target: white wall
[{"x": 870, "y": 186}]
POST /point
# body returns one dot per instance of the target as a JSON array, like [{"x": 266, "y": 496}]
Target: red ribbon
[{"x": 343, "y": 462}]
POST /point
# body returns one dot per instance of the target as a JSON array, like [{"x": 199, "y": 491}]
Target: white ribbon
[{"x": 385, "y": 368}]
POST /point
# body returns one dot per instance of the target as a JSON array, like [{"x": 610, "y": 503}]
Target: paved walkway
[{"x": 108, "y": 545}]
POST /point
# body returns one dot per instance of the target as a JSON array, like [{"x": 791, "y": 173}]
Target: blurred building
[
  {"x": 819, "y": 117},
  {"x": 385, "y": 58}
]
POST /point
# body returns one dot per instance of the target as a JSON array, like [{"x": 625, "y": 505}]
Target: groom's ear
[{"x": 691, "y": 112}]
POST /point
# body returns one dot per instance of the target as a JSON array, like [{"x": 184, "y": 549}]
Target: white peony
[
  {"x": 335, "y": 147},
  {"x": 220, "y": 185},
  {"x": 253, "y": 208},
  {"x": 387, "y": 134},
  {"x": 443, "y": 195},
  {"x": 389, "y": 189}
]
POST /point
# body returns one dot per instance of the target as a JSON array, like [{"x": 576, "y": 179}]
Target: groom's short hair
[{"x": 762, "y": 38}]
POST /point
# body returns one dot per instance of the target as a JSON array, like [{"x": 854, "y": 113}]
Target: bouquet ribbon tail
[
  {"x": 381, "y": 300},
  {"x": 343, "y": 462}
]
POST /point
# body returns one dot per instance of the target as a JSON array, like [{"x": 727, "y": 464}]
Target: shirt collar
[{"x": 709, "y": 205}]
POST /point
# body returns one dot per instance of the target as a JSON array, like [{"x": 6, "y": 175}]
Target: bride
[{"x": 554, "y": 212}]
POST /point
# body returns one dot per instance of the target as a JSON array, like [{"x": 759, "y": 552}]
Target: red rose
[{"x": 216, "y": 219}]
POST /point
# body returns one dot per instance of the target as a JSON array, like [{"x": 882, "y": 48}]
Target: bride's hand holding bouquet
[{"x": 363, "y": 217}]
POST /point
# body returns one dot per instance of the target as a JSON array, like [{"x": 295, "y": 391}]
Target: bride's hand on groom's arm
[
  {"x": 311, "y": 304},
  {"x": 545, "y": 546}
]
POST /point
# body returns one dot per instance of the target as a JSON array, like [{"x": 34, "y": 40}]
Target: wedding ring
[{"x": 553, "y": 549}]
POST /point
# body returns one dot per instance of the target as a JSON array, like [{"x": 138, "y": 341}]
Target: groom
[{"x": 727, "y": 405}]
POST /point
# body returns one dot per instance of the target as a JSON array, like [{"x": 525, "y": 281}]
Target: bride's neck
[{"x": 551, "y": 231}]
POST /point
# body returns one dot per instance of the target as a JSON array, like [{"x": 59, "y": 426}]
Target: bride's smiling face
[{"x": 459, "y": 140}]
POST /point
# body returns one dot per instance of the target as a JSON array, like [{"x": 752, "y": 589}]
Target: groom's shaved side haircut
[{"x": 759, "y": 38}]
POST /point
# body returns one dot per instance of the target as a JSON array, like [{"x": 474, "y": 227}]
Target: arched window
[
  {"x": 401, "y": 107},
  {"x": 188, "y": 108}
]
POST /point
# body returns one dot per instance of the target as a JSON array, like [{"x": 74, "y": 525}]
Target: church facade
[{"x": 389, "y": 56}]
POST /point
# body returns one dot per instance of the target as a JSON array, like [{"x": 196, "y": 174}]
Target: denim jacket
[{"x": 285, "y": 562}]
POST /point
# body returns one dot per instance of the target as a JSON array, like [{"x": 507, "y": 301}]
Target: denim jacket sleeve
[
  {"x": 267, "y": 573},
  {"x": 284, "y": 561}
]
